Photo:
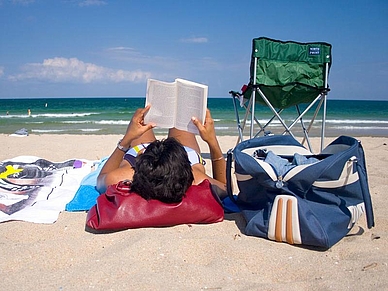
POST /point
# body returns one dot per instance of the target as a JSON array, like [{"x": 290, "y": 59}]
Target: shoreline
[
  {"x": 64, "y": 256},
  {"x": 67, "y": 146},
  {"x": 222, "y": 129}
]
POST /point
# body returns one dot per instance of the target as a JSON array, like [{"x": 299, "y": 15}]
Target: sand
[{"x": 63, "y": 256}]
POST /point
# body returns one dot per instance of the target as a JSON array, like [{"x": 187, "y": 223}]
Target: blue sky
[{"x": 71, "y": 48}]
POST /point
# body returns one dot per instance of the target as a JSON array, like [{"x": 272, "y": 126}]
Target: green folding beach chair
[{"x": 285, "y": 74}]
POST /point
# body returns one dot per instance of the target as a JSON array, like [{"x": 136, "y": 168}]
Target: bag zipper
[{"x": 279, "y": 183}]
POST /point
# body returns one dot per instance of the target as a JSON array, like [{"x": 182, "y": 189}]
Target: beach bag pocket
[{"x": 287, "y": 194}]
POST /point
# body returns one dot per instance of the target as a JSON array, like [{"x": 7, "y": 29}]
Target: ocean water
[{"x": 111, "y": 116}]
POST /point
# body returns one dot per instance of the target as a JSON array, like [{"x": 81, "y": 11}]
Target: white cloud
[
  {"x": 1, "y": 71},
  {"x": 134, "y": 57},
  {"x": 195, "y": 40},
  {"x": 91, "y": 3},
  {"x": 73, "y": 70},
  {"x": 120, "y": 48}
]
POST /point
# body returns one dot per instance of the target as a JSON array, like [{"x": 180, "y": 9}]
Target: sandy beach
[{"x": 64, "y": 256}]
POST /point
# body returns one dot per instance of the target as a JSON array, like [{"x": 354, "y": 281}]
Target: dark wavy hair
[{"x": 163, "y": 172}]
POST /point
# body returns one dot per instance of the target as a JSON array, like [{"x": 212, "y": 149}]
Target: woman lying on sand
[{"x": 163, "y": 169}]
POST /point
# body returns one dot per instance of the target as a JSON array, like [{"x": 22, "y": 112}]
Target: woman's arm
[
  {"x": 208, "y": 134},
  {"x": 115, "y": 169}
]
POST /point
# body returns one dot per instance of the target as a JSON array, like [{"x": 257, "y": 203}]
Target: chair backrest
[{"x": 289, "y": 72}]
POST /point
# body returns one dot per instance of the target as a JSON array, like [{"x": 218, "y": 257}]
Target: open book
[{"x": 173, "y": 104}]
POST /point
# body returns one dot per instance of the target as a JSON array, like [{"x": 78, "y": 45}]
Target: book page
[
  {"x": 191, "y": 101},
  {"x": 162, "y": 97}
]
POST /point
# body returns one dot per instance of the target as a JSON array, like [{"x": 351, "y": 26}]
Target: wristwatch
[{"x": 121, "y": 148}]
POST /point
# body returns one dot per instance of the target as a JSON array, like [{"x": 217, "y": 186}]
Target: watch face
[{"x": 120, "y": 147}]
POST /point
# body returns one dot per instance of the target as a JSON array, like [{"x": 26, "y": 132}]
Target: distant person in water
[
  {"x": 29, "y": 112},
  {"x": 163, "y": 169}
]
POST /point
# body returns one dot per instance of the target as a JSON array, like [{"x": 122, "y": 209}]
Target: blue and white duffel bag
[{"x": 287, "y": 194}]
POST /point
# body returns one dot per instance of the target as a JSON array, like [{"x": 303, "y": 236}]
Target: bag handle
[{"x": 229, "y": 158}]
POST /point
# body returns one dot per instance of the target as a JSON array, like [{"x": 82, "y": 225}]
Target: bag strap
[
  {"x": 363, "y": 176},
  {"x": 229, "y": 158},
  {"x": 366, "y": 196}
]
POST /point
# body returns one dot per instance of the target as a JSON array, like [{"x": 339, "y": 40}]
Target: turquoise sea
[{"x": 111, "y": 116}]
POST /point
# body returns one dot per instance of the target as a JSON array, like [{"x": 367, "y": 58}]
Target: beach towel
[{"x": 37, "y": 190}]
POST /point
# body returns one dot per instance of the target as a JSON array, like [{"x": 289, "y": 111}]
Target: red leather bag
[{"x": 119, "y": 208}]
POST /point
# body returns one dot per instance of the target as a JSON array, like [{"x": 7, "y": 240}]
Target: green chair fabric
[{"x": 288, "y": 72}]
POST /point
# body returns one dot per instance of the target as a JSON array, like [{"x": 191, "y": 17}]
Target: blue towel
[
  {"x": 87, "y": 194},
  {"x": 84, "y": 199}
]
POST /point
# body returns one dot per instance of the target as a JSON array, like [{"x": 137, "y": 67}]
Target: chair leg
[
  {"x": 305, "y": 131},
  {"x": 239, "y": 128}
]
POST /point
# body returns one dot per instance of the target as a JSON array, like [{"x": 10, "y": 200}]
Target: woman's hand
[
  {"x": 206, "y": 130},
  {"x": 137, "y": 126}
]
